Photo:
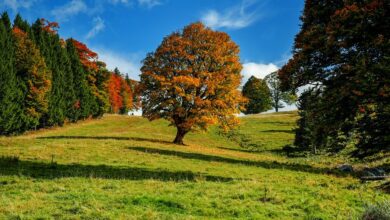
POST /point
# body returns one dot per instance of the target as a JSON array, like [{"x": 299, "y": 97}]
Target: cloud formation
[
  {"x": 259, "y": 70},
  {"x": 126, "y": 64},
  {"x": 64, "y": 12},
  {"x": 149, "y": 3},
  {"x": 16, "y": 4},
  {"x": 98, "y": 27},
  {"x": 233, "y": 18}
]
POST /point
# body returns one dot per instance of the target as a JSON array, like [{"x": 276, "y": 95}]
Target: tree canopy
[{"x": 192, "y": 79}]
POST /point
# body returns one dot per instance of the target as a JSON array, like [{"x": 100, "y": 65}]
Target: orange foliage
[
  {"x": 31, "y": 65},
  {"x": 114, "y": 91},
  {"x": 120, "y": 93},
  {"x": 87, "y": 57},
  {"x": 50, "y": 27},
  {"x": 192, "y": 80}
]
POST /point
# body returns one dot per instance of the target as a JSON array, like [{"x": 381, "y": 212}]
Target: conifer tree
[
  {"x": 10, "y": 94},
  {"x": 85, "y": 100},
  {"x": 50, "y": 46}
]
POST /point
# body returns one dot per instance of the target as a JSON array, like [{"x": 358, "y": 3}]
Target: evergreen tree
[
  {"x": 85, "y": 100},
  {"x": 51, "y": 48},
  {"x": 258, "y": 94},
  {"x": 11, "y": 108}
]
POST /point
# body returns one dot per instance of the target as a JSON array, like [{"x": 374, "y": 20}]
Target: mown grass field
[{"x": 121, "y": 167}]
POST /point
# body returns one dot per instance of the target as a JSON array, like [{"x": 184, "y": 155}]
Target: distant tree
[
  {"x": 127, "y": 96},
  {"x": 192, "y": 80},
  {"x": 277, "y": 95},
  {"x": 114, "y": 92},
  {"x": 258, "y": 94}
]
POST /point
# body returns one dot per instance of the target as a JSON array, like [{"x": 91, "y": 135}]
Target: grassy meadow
[{"x": 121, "y": 167}]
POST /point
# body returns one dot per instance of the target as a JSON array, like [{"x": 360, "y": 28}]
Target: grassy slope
[{"x": 126, "y": 168}]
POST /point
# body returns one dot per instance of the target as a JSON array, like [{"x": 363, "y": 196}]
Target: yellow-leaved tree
[{"x": 192, "y": 80}]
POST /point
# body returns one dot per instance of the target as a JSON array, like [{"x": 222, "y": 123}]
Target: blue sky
[{"x": 123, "y": 31}]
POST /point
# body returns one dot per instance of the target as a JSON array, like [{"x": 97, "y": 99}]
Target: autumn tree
[
  {"x": 341, "y": 53},
  {"x": 191, "y": 80},
  {"x": 278, "y": 96},
  {"x": 258, "y": 94},
  {"x": 34, "y": 76},
  {"x": 114, "y": 91},
  {"x": 127, "y": 95}
]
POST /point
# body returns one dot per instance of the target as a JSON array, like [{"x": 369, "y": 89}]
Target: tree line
[{"x": 48, "y": 81}]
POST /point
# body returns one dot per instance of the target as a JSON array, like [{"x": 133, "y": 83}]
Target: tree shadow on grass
[
  {"x": 286, "y": 123},
  {"x": 279, "y": 131},
  {"x": 242, "y": 150},
  {"x": 263, "y": 164},
  {"x": 10, "y": 166},
  {"x": 108, "y": 138}
]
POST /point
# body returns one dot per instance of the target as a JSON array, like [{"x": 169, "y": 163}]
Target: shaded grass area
[
  {"x": 263, "y": 164},
  {"x": 108, "y": 138},
  {"x": 39, "y": 170}
]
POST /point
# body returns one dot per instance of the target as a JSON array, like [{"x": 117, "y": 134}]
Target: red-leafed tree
[
  {"x": 114, "y": 91},
  {"x": 50, "y": 27},
  {"x": 87, "y": 57}
]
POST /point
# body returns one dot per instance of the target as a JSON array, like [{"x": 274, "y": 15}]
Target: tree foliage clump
[
  {"x": 192, "y": 80},
  {"x": 342, "y": 53},
  {"x": 258, "y": 95}
]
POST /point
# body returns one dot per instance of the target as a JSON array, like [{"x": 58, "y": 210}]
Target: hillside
[{"x": 121, "y": 167}]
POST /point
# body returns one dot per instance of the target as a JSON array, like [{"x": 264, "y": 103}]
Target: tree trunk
[
  {"x": 179, "y": 136},
  {"x": 276, "y": 108}
]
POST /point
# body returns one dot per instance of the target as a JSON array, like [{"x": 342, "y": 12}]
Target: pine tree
[
  {"x": 50, "y": 46},
  {"x": 11, "y": 109},
  {"x": 85, "y": 100}
]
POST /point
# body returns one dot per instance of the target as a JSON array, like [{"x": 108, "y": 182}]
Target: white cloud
[
  {"x": 16, "y": 4},
  {"x": 98, "y": 27},
  {"x": 123, "y": 2},
  {"x": 234, "y": 18},
  {"x": 126, "y": 64},
  {"x": 259, "y": 70},
  {"x": 73, "y": 7},
  {"x": 149, "y": 3},
  {"x": 119, "y": 1}
]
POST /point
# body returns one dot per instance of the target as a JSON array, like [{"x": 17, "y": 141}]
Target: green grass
[{"x": 122, "y": 167}]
